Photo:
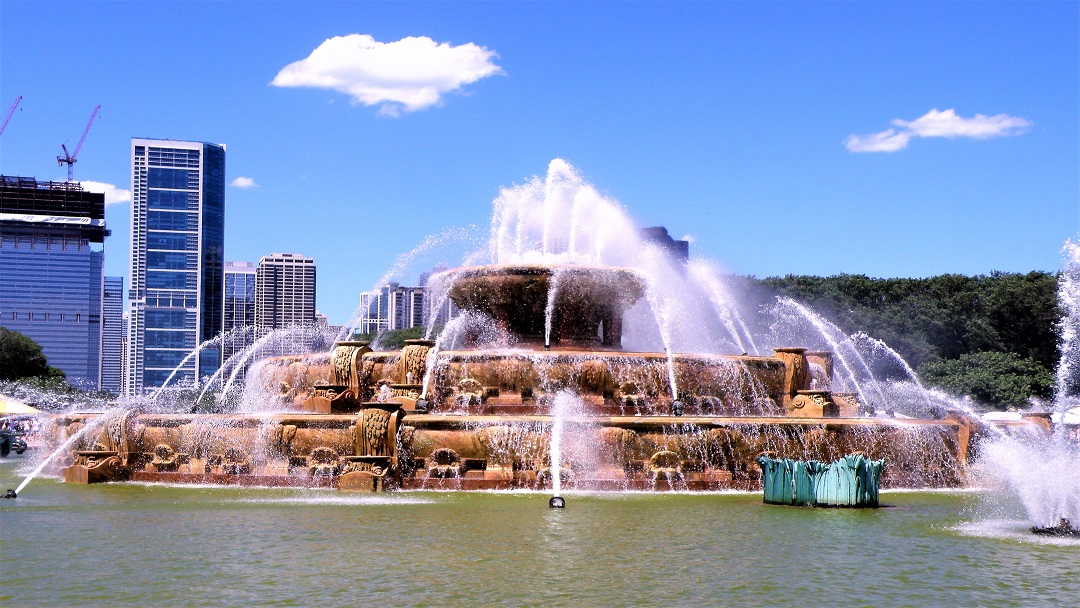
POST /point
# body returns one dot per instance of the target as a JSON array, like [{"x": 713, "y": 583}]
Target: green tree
[
  {"x": 20, "y": 356},
  {"x": 996, "y": 379}
]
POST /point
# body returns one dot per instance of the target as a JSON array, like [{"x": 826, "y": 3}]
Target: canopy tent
[{"x": 10, "y": 406}]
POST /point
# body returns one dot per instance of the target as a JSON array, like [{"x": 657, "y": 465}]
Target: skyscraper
[
  {"x": 239, "y": 308},
  {"x": 177, "y": 257},
  {"x": 112, "y": 323},
  {"x": 51, "y": 240},
  {"x": 285, "y": 291}
]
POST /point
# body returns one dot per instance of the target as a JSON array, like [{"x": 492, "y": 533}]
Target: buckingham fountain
[{"x": 581, "y": 356}]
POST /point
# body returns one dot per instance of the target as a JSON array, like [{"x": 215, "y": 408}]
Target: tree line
[{"x": 993, "y": 337}]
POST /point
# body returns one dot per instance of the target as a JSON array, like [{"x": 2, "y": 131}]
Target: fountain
[{"x": 581, "y": 359}]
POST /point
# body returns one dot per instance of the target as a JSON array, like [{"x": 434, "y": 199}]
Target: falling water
[
  {"x": 563, "y": 403},
  {"x": 95, "y": 423},
  {"x": 705, "y": 275},
  {"x": 549, "y": 309},
  {"x": 1067, "y": 383},
  {"x": 211, "y": 342},
  {"x": 881, "y": 346},
  {"x": 827, "y": 330},
  {"x": 1041, "y": 471}
]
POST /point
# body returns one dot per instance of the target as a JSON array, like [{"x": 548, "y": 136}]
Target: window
[
  {"x": 165, "y": 318},
  {"x": 166, "y": 240},
  {"x": 167, "y": 199},
  {"x": 169, "y": 280},
  {"x": 166, "y": 220},
  {"x": 164, "y": 358},
  {"x": 165, "y": 339},
  {"x": 167, "y": 178},
  {"x": 172, "y": 260}
]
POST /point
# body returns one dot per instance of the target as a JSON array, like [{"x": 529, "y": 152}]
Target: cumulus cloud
[
  {"x": 243, "y": 182},
  {"x": 113, "y": 195},
  {"x": 938, "y": 123},
  {"x": 403, "y": 76}
]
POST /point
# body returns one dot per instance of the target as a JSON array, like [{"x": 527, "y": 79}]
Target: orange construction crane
[{"x": 69, "y": 159}]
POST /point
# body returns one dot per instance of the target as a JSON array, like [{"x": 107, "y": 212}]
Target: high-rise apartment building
[
  {"x": 112, "y": 334},
  {"x": 392, "y": 307},
  {"x": 285, "y": 291},
  {"x": 51, "y": 254},
  {"x": 177, "y": 258}
]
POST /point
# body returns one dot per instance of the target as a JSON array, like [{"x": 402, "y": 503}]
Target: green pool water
[{"x": 147, "y": 545}]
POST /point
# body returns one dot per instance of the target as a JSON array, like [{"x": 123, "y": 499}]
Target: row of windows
[
  {"x": 159, "y": 177},
  {"x": 172, "y": 157},
  {"x": 163, "y": 338},
  {"x": 50, "y": 316},
  {"x": 48, "y": 243},
  {"x": 172, "y": 220},
  {"x": 173, "y": 319},
  {"x": 171, "y": 280},
  {"x": 171, "y": 199},
  {"x": 171, "y": 260},
  {"x": 164, "y": 358},
  {"x": 176, "y": 300},
  {"x": 171, "y": 240}
]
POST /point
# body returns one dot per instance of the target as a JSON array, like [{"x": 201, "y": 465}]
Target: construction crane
[
  {"x": 9, "y": 113},
  {"x": 69, "y": 159}
]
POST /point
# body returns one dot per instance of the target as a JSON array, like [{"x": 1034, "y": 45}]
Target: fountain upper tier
[{"x": 586, "y": 303}]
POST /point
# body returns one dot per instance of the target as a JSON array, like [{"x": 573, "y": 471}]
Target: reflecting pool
[{"x": 138, "y": 545}]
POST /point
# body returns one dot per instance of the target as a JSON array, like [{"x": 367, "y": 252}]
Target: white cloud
[
  {"x": 404, "y": 76},
  {"x": 113, "y": 195},
  {"x": 243, "y": 182},
  {"x": 886, "y": 141},
  {"x": 937, "y": 123}
]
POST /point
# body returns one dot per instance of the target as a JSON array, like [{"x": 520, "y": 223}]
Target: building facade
[
  {"x": 112, "y": 335},
  {"x": 285, "y": 291},
  {"x": 51, "y": 252},
  {"x": 392, "y": 307},
  {"x": 177, "y": 261},
  {"x": 238, "y": 321}
]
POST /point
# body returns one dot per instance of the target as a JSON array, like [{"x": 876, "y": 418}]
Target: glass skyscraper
[
  {"x": 51, "y": 253},
  {"x": 239, "y": 308},
  {"x": 177, "y": 258}
]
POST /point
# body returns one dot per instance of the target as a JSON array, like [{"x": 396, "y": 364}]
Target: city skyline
[{"x": 915, "y": 138}]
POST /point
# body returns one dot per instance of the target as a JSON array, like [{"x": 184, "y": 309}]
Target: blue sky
[{"x": 731, "y": 122}]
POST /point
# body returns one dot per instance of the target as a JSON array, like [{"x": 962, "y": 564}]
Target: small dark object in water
[
  {"x": 1064, "y": 528},
  {"x": 676, "y": 408},
  {"x": 10, "y": 494},
  {"x": 557, "y": 502},
  {"x": 421, "y": 406}
]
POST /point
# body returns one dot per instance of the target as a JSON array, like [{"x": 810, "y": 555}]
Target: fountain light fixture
[{"x": 557, "y": 502}]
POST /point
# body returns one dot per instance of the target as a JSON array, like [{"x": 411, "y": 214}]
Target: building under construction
[{"x": 51, "y": 255}]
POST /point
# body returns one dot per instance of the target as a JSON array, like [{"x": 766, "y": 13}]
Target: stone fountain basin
[{"x": 603, "y": 452}]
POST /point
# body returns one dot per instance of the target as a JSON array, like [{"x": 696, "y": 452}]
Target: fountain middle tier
[{"x": 516, "y": 382}]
